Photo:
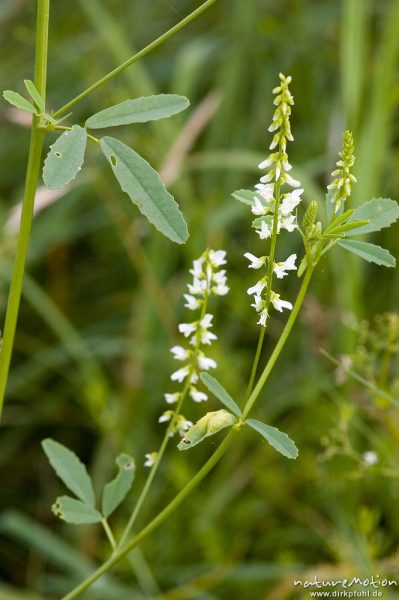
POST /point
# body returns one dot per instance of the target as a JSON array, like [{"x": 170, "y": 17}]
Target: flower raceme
[
  {"x": 209, "y": 279},
  {"x": 274, "y": 209}
]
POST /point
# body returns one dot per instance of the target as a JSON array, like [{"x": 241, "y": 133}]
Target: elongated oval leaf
[
  {"x": 115, "y": 491},
  {"x": 70, "y": 470},
  {"x": 219, "y": 391},
  {"x": 139, "y": 110},
  {"x": 370, "y": 252},
  {"x": 144, "y": 187},
  {"x": 19, "y": 101},
  {"x": 65, "y": 159},
  {"x": 74, "y": 511},
  {"x": 247, "y": 196},
  {"x": 380, "y": 212},
  {"x": 276, "y": 438},
  {"x": 34, "y": 94},
  {"x": 211, "y": 423}
]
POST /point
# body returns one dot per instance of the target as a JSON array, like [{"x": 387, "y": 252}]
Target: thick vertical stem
[{"x": 32, "y": 176}]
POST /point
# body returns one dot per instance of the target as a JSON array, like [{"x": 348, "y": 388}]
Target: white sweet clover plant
[{"x": 274, "y": 202}]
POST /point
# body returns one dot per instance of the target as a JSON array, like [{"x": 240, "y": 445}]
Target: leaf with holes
[
  {"x": 18, "y": 101},
  {"x": 139, "y": 110},
  {"x": 380, "y": 212},
  {"x": 65, "y": 159},
  {"x": 144, "y": 187},
  {"x": 219, "y": 391},
  {"x": 115, "y": 491},
  {"x": 75, "y": 511},
  {"x": 370, "y": 252},
  {"x": 276, "y": 438},
  {"x": 34, "y": 94},
  {"x": 70, "y": 470}
]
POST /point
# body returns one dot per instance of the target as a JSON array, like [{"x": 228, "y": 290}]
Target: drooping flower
[
  {"x": 280, "y": 269},
  {"x": 150, "y": 459}
]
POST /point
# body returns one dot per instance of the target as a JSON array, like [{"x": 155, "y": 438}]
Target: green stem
[
  {"x": 280, "y": 344},
  {"x": 167, "y": 437},
  {"x": 109, "y": 533},
  {"x": 256, "y": 361},
  {"x": 32, "y": 176},
  {"x": 196, "y": 13},
  {"x": 207, "y": 467}
]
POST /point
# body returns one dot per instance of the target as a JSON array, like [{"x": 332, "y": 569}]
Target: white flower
[
  {"x": 150, "y": 457},
  {"x": 197, "y": 396},
  {"x": 206, "y": 321},
  {"x": 181, "y": 374},
  {"x": 188, "y": 328},
  {"x": 281, "y": 268},
  {"x": 258, "y": 288},
  {"x": 288, "y": 223},
  {"x": 196, "y": 271},
  {"x": 258, "y": 303},
  {"x": 182, "y": 424},
  {"x": 172, "y": 398},
  {"x": 256, "y": 263},
  {"x": 266, "y": 190},
  {"x": 290, "y": 201},
  {"x": 220, "y": 289},
  {"x": 263, "y": 317},
  {"x": 258, "y": 208},
  {"x": 206, "y": 363},
  {"x": 198, "y": 287},
  {"x": 291, "y": 181},
  {"x": 370, "y": 458},
  {"x": 166, "y": 416},
  {"x": 192, "y": 303},
  {"x": 180, "y": 353},
  {"x": 279, "y": 304},
  {"x": 264, "y": 232},
  {"x": 207, "y": 337},
  {"x": 217, "y": 257}
]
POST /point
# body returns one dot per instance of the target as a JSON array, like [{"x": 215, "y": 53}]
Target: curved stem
[
  {"x": 196, "y": 13},
  {"x": 208, "y": 466},
  {"x": 32, "y": 176}
]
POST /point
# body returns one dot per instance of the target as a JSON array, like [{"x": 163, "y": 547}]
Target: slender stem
[
  {"x": 32, "y": 176},
  {"x": 196, "y": 13},
  {"x": 109, "y": 533},
  {"x": 167, "y": 436},
  {"x": 208, "y": 466},
  {"x": 270, "y": 266},
  {"x": 280, "y": 344},
  {"x": 158, "y": 520},
  {"x": 62, "y": 128}
]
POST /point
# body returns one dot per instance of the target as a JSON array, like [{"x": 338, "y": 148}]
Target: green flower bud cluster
[{"x": 343, "y": 176}]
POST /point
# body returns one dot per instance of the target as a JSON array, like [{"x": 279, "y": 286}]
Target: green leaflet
[
  {"x": 19, "y": 101},
  {"x": 115, "y": 491},
  {"x": 65, "y": 158},
  {"x": 74, "y": 511},
  {"x": 34, "y": 94},
  {"x": 70, "y": 470},
  {"x": 380, "y": 212},
  {"x": 144, "y": 187},
  {"x": 369, "y": 252},
  {"x": 219, "y": 391},
  {"x": 208, "y": 425},
  {"x": 139, "y": 110},
  {"x": 276, "y": 438}
]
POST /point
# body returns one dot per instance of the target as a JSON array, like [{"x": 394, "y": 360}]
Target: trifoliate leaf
[
  {"x": 115, "y": 491},
  {"x": 210, "y": 424},
  {"x": 219, "y": 391},
  {"x": 276, "y": 438},
  {"x": 347, "y": 227},
  {"x": 35, "y": 95},
  {"x": 74, "y": 511},
  {"x": 370, "y": 252},
  {"x": 70, "y": 470},
  {"x": 144, "y": 187},
  {"x": 139, "y": 110},
  {"x": 380, "y": 212},
  {"x": 19, "y": 101},
  {"x": 335, "y": 222},
  {"x": 65, "y": 159}
]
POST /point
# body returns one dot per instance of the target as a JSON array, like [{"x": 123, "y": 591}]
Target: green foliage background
[{"x": 102, "y": 299}]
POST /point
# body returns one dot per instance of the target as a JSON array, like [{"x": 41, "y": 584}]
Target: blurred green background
[{"x": 103, "y": 296}]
